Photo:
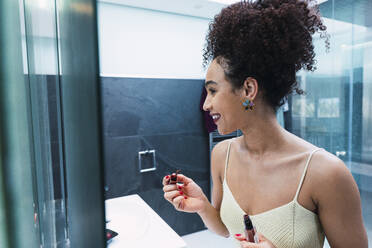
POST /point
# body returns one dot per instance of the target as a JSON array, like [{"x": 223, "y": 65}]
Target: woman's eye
[{"x": 212, "y": 91}]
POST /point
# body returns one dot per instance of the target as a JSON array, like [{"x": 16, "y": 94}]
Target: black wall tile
[
  {"x": 140, "y": 106},
  {"x": 187, "y": 152},
  {"x": 161, "y": 114}
]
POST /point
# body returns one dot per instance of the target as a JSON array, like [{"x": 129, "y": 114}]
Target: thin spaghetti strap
[
  {"x": 304, "y": 173},
  {"x": 227, "y": 159}
]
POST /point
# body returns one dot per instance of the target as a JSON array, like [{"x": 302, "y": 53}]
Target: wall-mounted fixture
[{"x": 146, "y": 154}]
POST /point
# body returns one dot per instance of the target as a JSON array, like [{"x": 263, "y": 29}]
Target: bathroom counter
[{"x": 138, "y": 225}]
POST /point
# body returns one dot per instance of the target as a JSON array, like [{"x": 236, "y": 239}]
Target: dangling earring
[{"x": 248, "y": 105}]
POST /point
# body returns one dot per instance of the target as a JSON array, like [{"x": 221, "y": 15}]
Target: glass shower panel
[
  {"x": 49, "y": 125},
  {"x": 17, "y": 228},
  {"x": 80, "y": 101},
  {"x": 41, "y": 65},
  {"x": 361, "y": 162},
  {"x": 336, "y": 112},
  {"x": 321, "y": 115}
]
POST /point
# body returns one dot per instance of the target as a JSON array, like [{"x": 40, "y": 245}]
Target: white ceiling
[{"x": 199, "y": 8}]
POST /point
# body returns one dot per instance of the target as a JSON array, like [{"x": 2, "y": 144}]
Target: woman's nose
[{"x": 206, "y": 105}]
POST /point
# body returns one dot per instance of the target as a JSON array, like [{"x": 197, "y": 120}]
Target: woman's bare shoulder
[
  {"x": 218, "y": 156},
  {"x": 328, "y": 173},
  {"x": 325, "y": 164},
  {"x": 220, "y": 149}
]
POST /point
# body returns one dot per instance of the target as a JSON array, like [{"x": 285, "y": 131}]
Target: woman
[{"x": 294, "y": 192}]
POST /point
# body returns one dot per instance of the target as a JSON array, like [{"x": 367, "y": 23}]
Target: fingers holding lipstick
[
  {"x": 176, "y": 198},
  {"x": 166, "y": 180},
  {"x": 171, "y": 195},
  {"x": 179, "y": 202},
  {"x": 171, "y": 187},
  {"x": 185, "y": 195},
  {"x": 239, "y": 237},
  {"x": 172, "y": 190},
  {"x": 183, "y": 179},
  {"x": 263, "y": 242},
  {"x": 244, "y": 243}
]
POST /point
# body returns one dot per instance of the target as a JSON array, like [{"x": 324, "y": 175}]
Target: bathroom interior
[{"x": 101, "y": 99}]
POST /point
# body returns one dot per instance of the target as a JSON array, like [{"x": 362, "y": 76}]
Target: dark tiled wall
[{"x": 161, "y": 114}]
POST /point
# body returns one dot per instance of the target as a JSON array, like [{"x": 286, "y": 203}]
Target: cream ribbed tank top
[{"x": 287, "y": 226}]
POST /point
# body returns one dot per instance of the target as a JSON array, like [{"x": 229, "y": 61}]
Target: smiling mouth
[{"x": 216, "y": 117}]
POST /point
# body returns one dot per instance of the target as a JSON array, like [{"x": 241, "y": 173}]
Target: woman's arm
[
  {"x": 338, "y": 201},
  {"x": 211, "y": 213}
]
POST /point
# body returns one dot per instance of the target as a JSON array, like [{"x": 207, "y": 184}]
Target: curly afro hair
[{"x": 269, "y": 40}]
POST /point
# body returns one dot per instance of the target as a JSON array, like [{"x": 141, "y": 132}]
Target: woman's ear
[{"x": 250, "y": 87}]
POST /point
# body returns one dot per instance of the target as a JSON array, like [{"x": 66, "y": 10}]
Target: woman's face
[{"x": 224, "y": 105}]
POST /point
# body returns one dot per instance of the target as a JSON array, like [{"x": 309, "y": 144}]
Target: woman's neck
[{"x": 263, "y": 134}]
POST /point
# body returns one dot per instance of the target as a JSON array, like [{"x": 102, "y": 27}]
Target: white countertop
[{"x": 138, "y": 225}]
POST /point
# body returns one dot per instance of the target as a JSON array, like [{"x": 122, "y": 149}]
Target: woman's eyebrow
[{"x": 209, "y": 82}]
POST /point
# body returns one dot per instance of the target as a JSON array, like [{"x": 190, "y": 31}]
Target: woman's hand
[
  {"x": 187, "y": 197},
  {"x": 263, "y": 242}
]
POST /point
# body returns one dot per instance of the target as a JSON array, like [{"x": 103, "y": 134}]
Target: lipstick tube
[
  {"x": 173, "y": 177},
  {"x": 250, "y": 231}
]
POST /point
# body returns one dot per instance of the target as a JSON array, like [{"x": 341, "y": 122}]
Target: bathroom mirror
[
  {"x": 151, "y": 84},
  {"x": 148, "y": 99},
  {"x": 146, "y": 91}
]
